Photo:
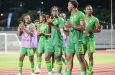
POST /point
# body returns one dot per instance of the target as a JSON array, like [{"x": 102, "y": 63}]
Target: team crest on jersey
[
  {"x": 91, "y": 48},
  {"x": 90, "y": 21},
  {"x": 72, "y": 18},
  {"x": 55, "y": 22},
  {"x": 80, "y": 49}
]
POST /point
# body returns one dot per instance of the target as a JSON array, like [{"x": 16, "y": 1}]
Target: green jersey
[
  {"x": 88, "y": 39},
  {"x": 90, "y": 24},
  {"x": 75, "y": 35},
  {"x": 43, "y": 28},
  {"x": 31, "y": 25},
  {"x": 56, "y": 38}
]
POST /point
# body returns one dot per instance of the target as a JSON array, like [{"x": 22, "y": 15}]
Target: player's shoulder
[
  {"x": 61, "y": 19},
  {"x": 95, "y": 18},
  {"x": 39, "y": 25},
  {"x": 81, "y": 13},
  {"x": 31, "y": 25}
]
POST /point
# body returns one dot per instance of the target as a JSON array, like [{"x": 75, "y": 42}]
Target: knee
[
  {"x": 58, "y": 58},
  {"x": 90, "y": 58},
  {"x": 39, "y": 54},
  {"x": 32, "y": 58},
  {"x": 21, "y": 58},
  {"x": 69, "y": 61},
  {"x": 80, "y": 59},
  {"x": 47, "y": 58}
]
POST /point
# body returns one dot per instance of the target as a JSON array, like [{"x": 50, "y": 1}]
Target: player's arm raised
[
  {"x": 51, "y": 24},
  {"x": 20, "y": 28},
  {"x": 30, "y": 32}
]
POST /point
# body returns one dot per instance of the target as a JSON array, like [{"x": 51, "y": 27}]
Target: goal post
[{"x": 10, "y": 43}]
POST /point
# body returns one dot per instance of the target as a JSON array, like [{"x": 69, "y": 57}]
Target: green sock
[
  {"x": 53, "y": 65},
  {"x": 59, "y": 66},
  {"x": 68, "y": 72},
  {"x": 83, "y": 73},
  {"x": 90, "y": 68},
  {"x": 81, "y": 70},
  {"x": 49, "y": 66},
  {"x": 20, "y": 65},
  {"x": 39, "y": 59},
  {"x": 32, "y": 66},
  {"x": 65, "y": 62},
  {"x": 65, "y": 65}
]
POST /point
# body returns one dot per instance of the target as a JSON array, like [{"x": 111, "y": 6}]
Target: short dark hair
[
  {"x": 57, "y": 9},
  {"x": 43, "y": 15},
  {"x": 74, "y": 2},
  {"x": 88, "y": 6},
  {"x": 23, "y": 17}
]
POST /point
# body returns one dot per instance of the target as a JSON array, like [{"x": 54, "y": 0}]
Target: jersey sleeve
[
  {"x": 31, "y": 26},
  {"x": 82, "y": 16},
  {"x": 61, "y": 23},
  {"x": 38, "y": 26},
  {"x": 96, "y": 21},
  {"x": 68, "y": 20}
]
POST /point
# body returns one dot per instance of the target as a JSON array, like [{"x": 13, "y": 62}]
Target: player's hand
[
  {"x": 66, "y": 29},
  {"x": 67, "y": 25},
  {"x": 21, "y": 25},
  {"x": 39, "y": 32},
  {"x": 48, "y": 19},
  {"x": 87, "y": 32}
]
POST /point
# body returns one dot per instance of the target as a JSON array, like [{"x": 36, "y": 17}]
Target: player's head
[
  {"x": 42, "y": 18},
  {"x": 88, "y": 10},
  {"x": 55, "y": 11},
  {"x": 72, "y": 4},
  {"x": 26, "y": 19},
  {"x": 63, "y": 15},
  {"x": 36, "y": 22}
]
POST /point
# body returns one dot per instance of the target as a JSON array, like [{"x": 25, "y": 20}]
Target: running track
[{"x": 108, "y": 69}]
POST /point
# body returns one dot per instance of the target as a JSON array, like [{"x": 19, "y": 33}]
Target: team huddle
[{"x": 59, "y": 38}]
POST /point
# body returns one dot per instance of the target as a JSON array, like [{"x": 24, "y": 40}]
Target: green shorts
[
  {"x": 27, "y": 51},
  {"x": 76, "y": 48},
  {"x": 42, "y": 47},
  {"x": 56, "y": 49},
  {"x": 89, "y": 45},
  {"x": 35, "y": 50}
]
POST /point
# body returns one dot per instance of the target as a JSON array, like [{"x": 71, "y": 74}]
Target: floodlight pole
[{"x": 111, "y": 27}]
